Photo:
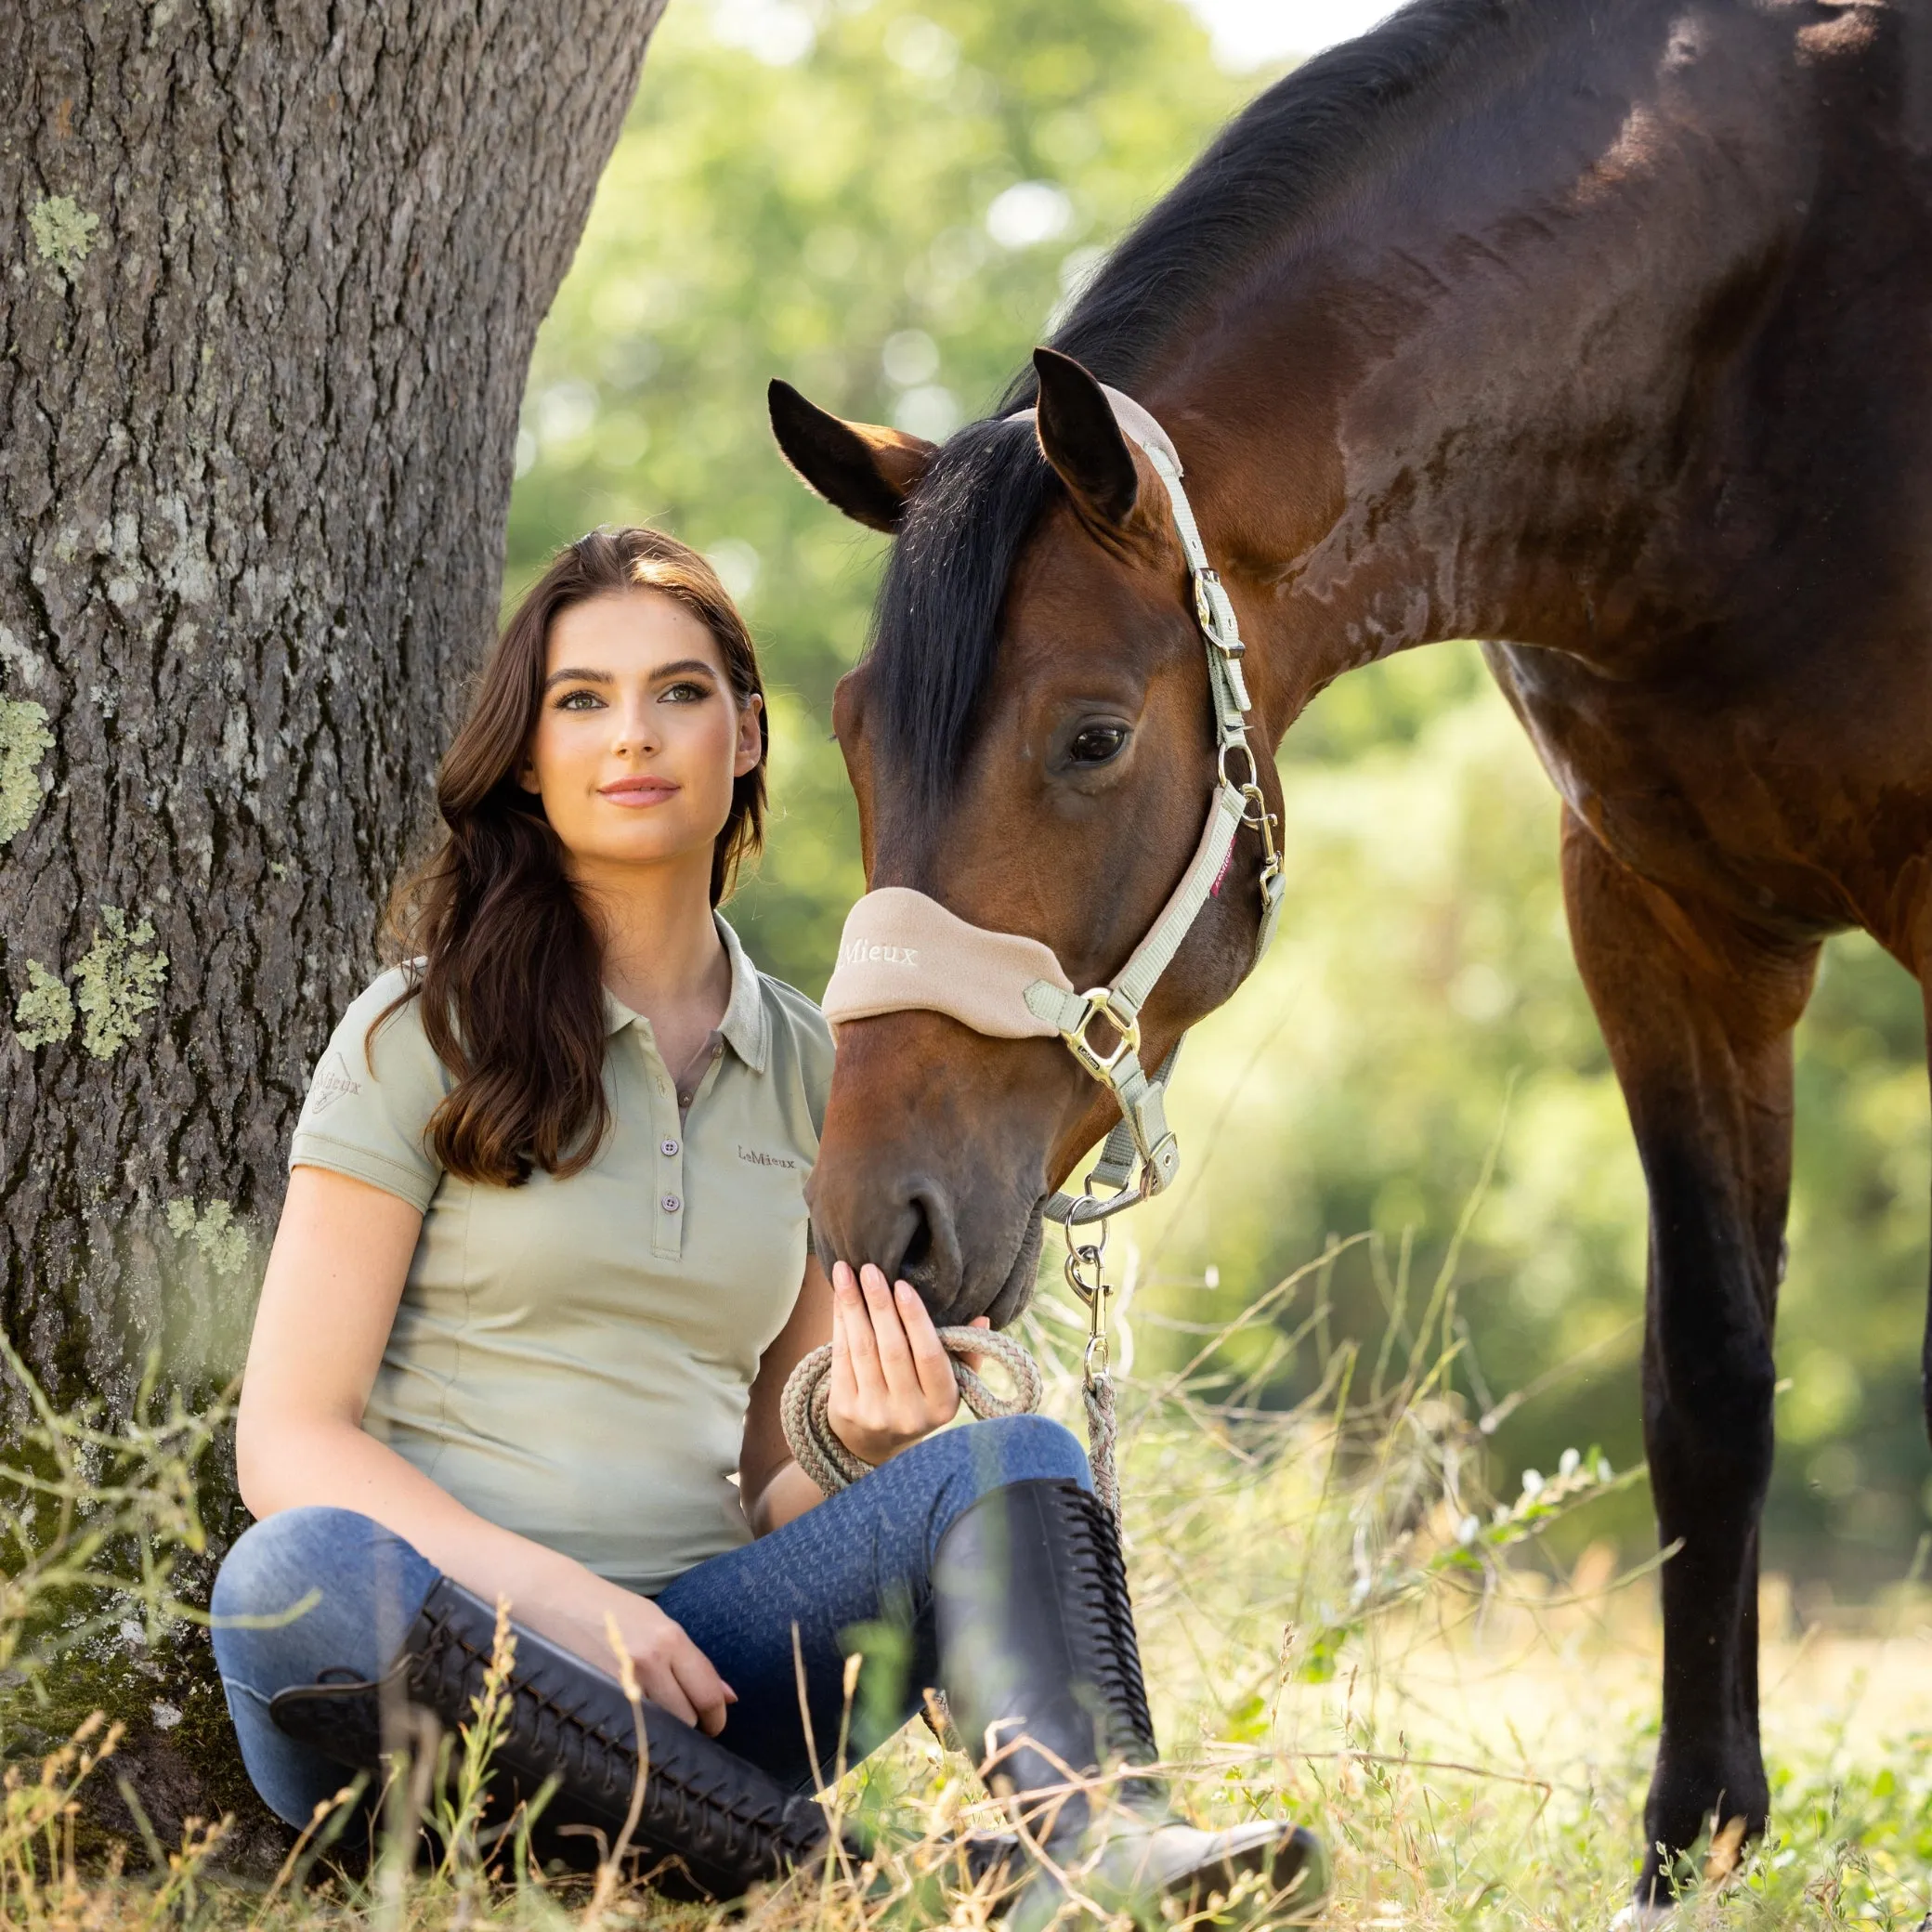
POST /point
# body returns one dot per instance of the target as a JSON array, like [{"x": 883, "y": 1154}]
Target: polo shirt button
[
  {"x": 672, "y": 1204},
  {"x": 670, "y": 1148}
]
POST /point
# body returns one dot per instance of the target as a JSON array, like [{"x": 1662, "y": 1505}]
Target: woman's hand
[
  {"x": 672, "y": 1673},
  {"x": 891, "y": 1381}
]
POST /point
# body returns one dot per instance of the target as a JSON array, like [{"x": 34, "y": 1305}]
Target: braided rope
[
  {"x": 808, "y": 1392},
  {"x": 1102, "y": 1432}
]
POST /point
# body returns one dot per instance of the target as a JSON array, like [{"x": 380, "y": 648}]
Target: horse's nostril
[
  {"x": 906, "y": 1228},
  {"x": 918, "y": 1241}
]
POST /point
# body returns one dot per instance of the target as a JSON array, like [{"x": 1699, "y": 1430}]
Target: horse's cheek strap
[{"x": 901, "y": 949}]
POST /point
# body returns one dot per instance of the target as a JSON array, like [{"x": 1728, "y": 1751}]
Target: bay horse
[{"x": 1600, "y": 329}]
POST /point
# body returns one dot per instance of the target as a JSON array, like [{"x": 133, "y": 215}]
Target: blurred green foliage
[
  {"x": 880, "y": 203},
  {"x": 884, "y": 201}
]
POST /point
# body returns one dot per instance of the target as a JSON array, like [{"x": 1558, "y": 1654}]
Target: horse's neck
[{"x": 1475, "y": 408}]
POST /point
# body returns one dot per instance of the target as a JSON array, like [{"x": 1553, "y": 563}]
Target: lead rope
[
  {"x": 805, "y": 1407},
  {"x": 1085, "y": 1278}
]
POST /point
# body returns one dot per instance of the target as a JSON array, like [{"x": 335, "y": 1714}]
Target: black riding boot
[
  {"x": 710, "y": 1825},
  {"x": 1041, "y": 1669}
]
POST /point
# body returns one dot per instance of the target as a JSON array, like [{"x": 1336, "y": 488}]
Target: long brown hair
[{"x": 497, "y": 943}]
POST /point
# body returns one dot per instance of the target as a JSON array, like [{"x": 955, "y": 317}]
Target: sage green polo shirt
[{"x": 571, "y": 1359}]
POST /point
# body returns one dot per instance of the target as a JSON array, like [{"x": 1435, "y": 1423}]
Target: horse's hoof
[{"x": 1642, "y": 1918}]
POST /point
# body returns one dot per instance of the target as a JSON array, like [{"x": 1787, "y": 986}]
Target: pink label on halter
[{"x": 1214, "y": 889}]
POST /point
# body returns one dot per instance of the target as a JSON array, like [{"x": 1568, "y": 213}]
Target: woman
[{"x": 541, "y": 1275}]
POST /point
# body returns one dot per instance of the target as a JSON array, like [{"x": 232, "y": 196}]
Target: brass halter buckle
[
  {"x": 1206, "y": 581},
  {"x": 1100, "y": 1004}
]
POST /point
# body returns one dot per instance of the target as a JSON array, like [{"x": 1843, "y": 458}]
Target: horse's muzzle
[{"x": 933, "y": 1164}]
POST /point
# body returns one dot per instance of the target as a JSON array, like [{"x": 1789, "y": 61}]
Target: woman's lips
[{"x": 639, "y": 791}]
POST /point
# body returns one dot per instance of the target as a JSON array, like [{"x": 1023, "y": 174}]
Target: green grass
[{"x": 1340, "y": 1625}]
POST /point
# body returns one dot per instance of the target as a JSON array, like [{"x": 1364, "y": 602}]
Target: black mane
[
  {"x": 938, "y": 611},
  {"x": 1318, "y": 135},
  {"x": 1313, "y": 136}
]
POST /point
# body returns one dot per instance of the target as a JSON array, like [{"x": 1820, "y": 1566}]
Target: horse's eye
[{"x": 1097, "y": 743}]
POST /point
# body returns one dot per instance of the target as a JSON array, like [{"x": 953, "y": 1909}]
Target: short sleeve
[{"x": 370, "y": 1104}]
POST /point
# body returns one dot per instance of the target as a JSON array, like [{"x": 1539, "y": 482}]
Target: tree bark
[{"x": 272, "y": 279}]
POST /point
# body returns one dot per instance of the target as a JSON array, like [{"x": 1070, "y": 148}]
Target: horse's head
[{"x": 1031, "y": 744}]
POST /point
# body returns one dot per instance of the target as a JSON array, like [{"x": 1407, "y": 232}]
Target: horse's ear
[
  {"x": 860, "y": 468},
  {"x": 1082, "y": 440}
]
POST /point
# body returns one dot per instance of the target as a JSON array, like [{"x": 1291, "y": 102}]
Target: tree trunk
[{"x": 272, "y": 279}]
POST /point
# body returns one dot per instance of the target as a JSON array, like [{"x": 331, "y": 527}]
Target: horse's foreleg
[{"x": 1698, "y": 1012}]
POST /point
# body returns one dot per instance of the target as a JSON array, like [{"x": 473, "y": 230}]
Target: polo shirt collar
[{"x": 745, "y": 1026}]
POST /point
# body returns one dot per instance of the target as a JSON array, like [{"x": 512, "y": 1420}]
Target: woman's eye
[
  {"x": 1097, "y": 743},
  {"x": 685, "y": 692},
  {"x": 580, "y": 701}
]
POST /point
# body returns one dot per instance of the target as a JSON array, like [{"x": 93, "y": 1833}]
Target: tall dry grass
[{"x": 1342, "y": 1624}]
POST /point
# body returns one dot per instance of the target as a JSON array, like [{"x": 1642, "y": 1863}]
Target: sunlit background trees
[{"x": 885, "y": 201}]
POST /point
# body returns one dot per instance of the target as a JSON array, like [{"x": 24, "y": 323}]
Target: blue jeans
[{"x": 855, "y": 1574}]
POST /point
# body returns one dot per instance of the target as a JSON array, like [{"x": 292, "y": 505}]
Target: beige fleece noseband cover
[{"x": 902, "y": 950}]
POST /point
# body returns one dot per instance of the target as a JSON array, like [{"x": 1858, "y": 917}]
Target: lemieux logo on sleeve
[{"x": 332, "y": 1084}]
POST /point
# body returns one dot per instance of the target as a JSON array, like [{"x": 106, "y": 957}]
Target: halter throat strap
[{"x": 902, "y": 950}]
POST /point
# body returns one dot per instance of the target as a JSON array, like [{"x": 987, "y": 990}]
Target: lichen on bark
[
  {"x": 214, "y": 1229},
  {"x": 24, "y": 741},
  {"x": 43, "y": 1013},
  {"x": 120, "y": 980},
  {"x": 63, "y": 232}
]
